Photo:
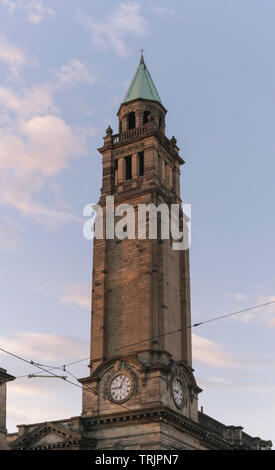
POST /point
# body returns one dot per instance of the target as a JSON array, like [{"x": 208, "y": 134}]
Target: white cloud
[
  {"x": 30, "y": 153},
  {"x": 164, "y": 12},
  {"x": 77, "y": 293},
  {"x": 36, "y": 144},
  {"x": 39, "y": 99},
  {"x": 10, "y": 4},
  {"x": 75, "y": 72},
  {"x": 263, "y": 313},
  {"x": 10, "y": 237},
  {"x": 240, "y": 297},
  {"x": 28, "y": 102},
  {"x": 85, "y": 109},
  {"x": 52, "y": 136},
  {"x": 11, "y": 55},
  {"x": 34, "y": 9},
  {"x": 271, "y": 322},
  {"x": 211, "y": 353},
  {"x": 269, "y": 311},
  {"x": 112, "y": 34},
  {"x": 28, "y": 389},
  {"x": 41, "y": 347},
  {"x": 218, "y": 383},
  {"x": 40, "y": 399}
]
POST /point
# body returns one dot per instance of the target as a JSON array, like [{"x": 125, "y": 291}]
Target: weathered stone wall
[
  {"x": 154, "y": 435},
  {"x": 4, "y": 377},
  {"x": 2, "y": 407}
]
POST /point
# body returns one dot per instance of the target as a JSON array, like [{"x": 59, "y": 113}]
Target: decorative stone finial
[
  {"x": 141, "y": 57},
  {"x": 173, "y": 140},
  {"x": 109, "y": 131}
]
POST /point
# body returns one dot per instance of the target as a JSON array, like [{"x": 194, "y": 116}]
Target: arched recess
[
  {"x": 131, "y": 120},
  {"x": 146, "y": 115}
]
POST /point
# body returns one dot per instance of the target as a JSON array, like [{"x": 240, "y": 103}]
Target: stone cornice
[
  {"x": 137, "y": 192},
  {"x": 4, "y": 377},
  {"x": 161, "y": 414},
  {"x": 150, "y": 132},
  {"x": 65, "y": 438}
]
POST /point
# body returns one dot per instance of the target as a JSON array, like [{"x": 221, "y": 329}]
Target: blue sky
[{"x": 64, "y": 69}]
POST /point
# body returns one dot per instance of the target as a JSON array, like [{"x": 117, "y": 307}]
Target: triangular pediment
[
  {"x": 47, "y": 435},
  {"x": 50, "y": 438}
]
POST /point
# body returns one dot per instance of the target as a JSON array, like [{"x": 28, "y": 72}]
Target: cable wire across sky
[
  {"x": 64, "y": 366},
  {"x": 194, "y": 325},
  {"x": 63, "y": 378}
]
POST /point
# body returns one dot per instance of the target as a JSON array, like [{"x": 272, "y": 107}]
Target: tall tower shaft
[{"x": 141, "y": 287}]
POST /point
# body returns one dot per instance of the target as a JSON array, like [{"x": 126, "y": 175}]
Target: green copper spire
[{"x": 142, "y": 85}]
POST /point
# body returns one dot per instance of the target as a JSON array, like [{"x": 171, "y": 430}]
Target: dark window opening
[
  {"x": 131, "y": 120},
  {"x": 128, "y": 165},
  {"x": 120, "y": 127},
  {"x": 116, "y": 172},
  {"x": 146, "y": 115},
  {"x": 141, "y": 163},
  {"x": 160, "y": 121}
]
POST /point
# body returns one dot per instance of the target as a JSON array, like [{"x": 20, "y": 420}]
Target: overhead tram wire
[
  {"x": 52, "y": 367},
  {"x": 166, "y": 334},
  {"x": 63, "y": 378},
  {"x": 139, "y": 342},
  {"x": 194, "y": 325}
]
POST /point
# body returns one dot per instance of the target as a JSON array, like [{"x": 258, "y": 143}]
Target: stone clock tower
[
  {"x": 142, "y": 379},
  {"x": 141, "y": 393}
]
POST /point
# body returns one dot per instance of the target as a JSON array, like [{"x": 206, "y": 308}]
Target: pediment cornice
[{"x": 35, "y": 440}]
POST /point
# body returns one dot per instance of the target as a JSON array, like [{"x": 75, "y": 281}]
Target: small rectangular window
[
  {"x": 128, "y": 169},
  {"x": 141, "y": 163}
]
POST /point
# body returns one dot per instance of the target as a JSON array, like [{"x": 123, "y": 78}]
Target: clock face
[
  {"x": 178, "y": 393},
  {"x": 120, "y": 388}
]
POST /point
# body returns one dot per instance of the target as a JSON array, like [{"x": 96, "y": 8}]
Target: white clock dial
[
  {"x": 178, "y": 393},
  {"x": 120, "y": 388}
]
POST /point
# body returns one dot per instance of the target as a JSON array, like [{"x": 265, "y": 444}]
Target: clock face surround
[
  {"x": 121, "y": 387},
  {"x": 177, "y": 392}
]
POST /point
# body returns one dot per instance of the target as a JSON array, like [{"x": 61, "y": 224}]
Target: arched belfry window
[
  {"x": 146, "y": 115},
  {"x": 160, "y": 121},
  {"x": 131, "y": 120}
]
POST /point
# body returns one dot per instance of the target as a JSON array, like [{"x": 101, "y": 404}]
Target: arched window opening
[
  {"x": 131, "y": 120},
  {"x": 160, "y": 121},
  {"x": 146, "y": 115},
  {"x": 120, "y": 127}
]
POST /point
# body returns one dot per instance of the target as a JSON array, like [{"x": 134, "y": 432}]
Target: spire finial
[{"x": 142, "y": 85}]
